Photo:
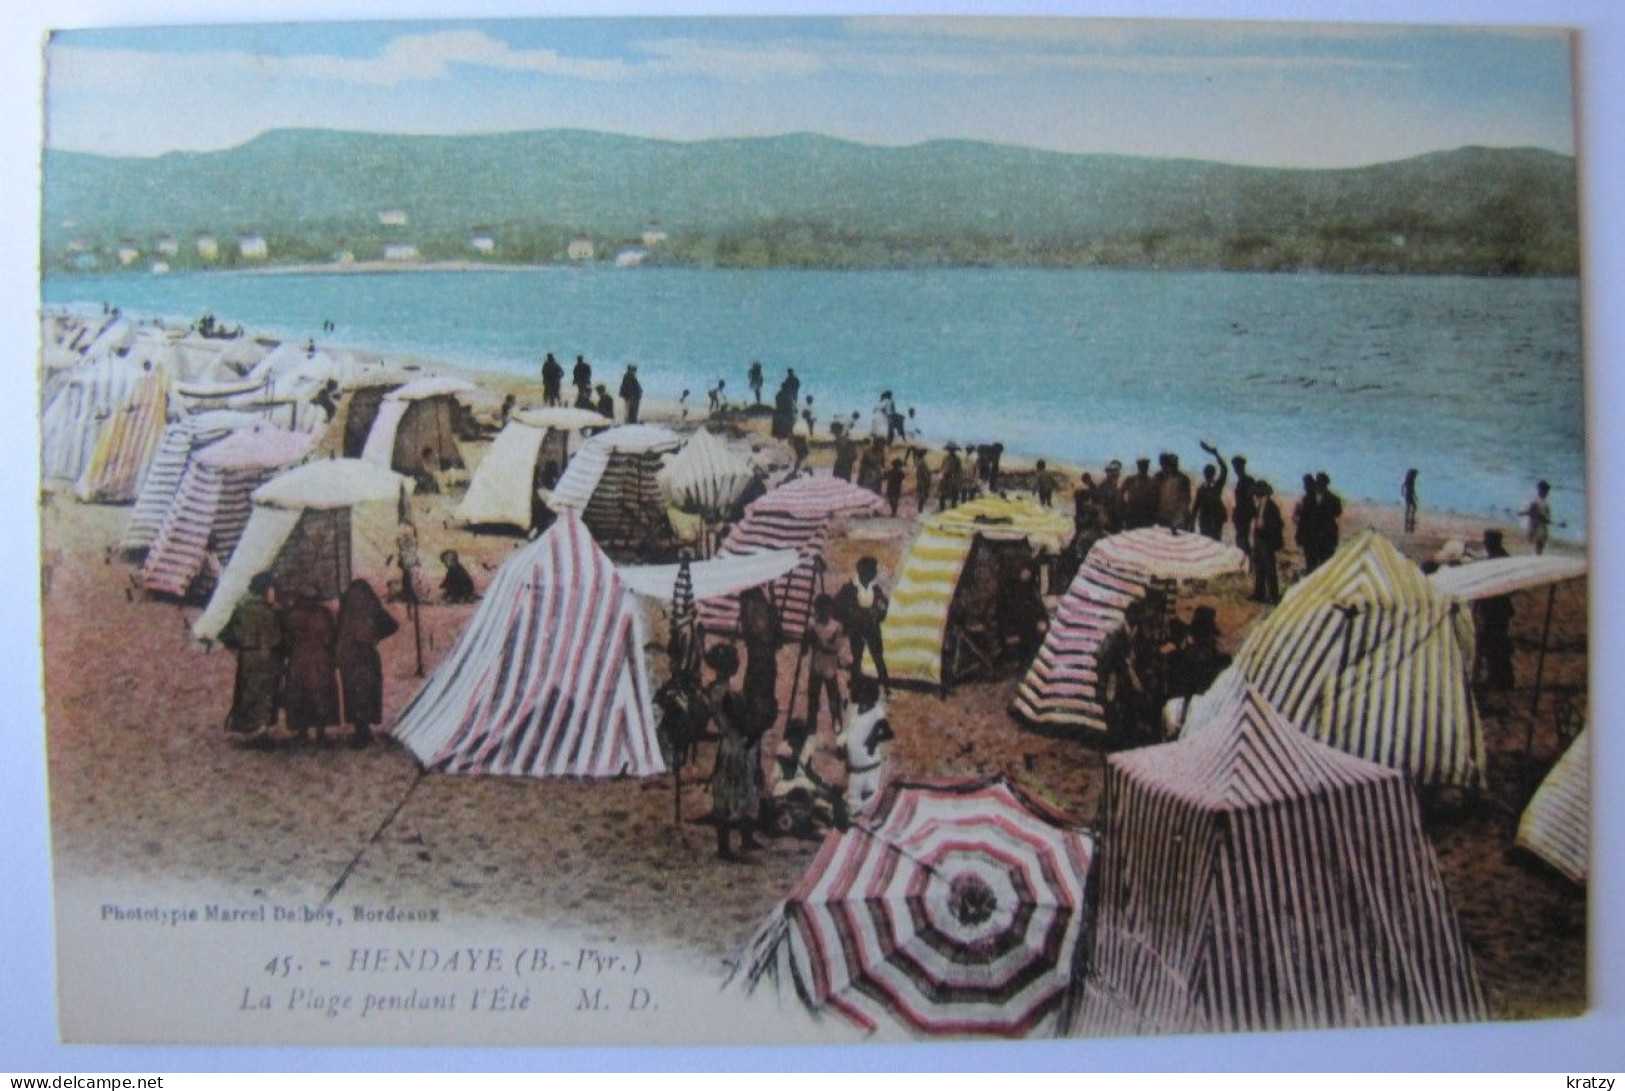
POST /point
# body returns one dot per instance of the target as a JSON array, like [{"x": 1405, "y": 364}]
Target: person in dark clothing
[
  {"x": 793, "y": 385},
  {"x": 1043, "y": 485},
  {"x": 823, "y": 642},
  {"x": 922, "y": 480},
  {"x": 255, "y": 634},
  {"x": 1207, "y": 507},
  {"x": 552, "y": 380},
  {"x": 605, "y": 404},
  {"x": 631, "y": 393},
  {"x": 1494, "y": 618},
  {"x": 584, "y": 399},
  {"x": 542, "y": 479},
  {"x": 762, "y": 633},
  {"x": 784, "y": 412},
  {"x": 458, "y": 586},
  {"x": 1140, "y": 497},
  {"x": 581, "y": 376},
  {"x": 736, "y": 776},
  {"x": 1197, "y": 661},
  {"x": 426, "y": 477},
  {"x": 1084, "y": 508},
  {"x": 846, "y": 452},
  {"x": 953, "y": 475},
  {"x": 1307, "y": 525},
  {"x": 894, "y": 484},
  {"x": 861, "y": 606},
  {"x": 1173, "y": 491},
  {"x": 1330, "y": 510},
  {"x": 995, "y": 453},
  {"x": 1021, "y": 616},
  {"x": 1407, "y": 493},
  {"x": 1245, "y": 508},
  {"x": 310, "y": 692},
  {"x": 753, "y": 379},
  {"x": 324, "y": 398},
  {"x": 1109, "y": 498},
  {"x": 872, "y": 466},
  {"x": 363, "y": 622},
  {"x": 1268, "y": 538}
]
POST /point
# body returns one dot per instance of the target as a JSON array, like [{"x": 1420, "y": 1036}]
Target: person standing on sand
[
  {"x": 762, "y": 632},
  {"x": 255, "y": 634},
  {"x": 922, "y": 480},
  {"x": 581, "y": 376},
  {"x": 823, "y": 641},
  {"x": 952, "y": 478},
  {"x": 846, "y": 452},
  {"x": 1245, "y": 508},
  {"x": 894, "y": 485},
  {"x": 1268, "y": 538},
  {"x": 1306, "y": 521},
  {"x": 1173, "y": 488},
  {"x": 862, "y": 742},
  {"x": 310, "y": 692},
  {"x": 861, "y": 606},
  {"x": 1140, "y": 497},
  {"x": 872, "y": 465},
  {"x": 1109, "y": 498},
  {"x": 552, "y": 380},
  {"x": 1207, "y": 508},
  {"x": 1494, "y": 618},
  {"x": 631, "y": 393},
  {"x": 1407, "y": 493},
  {"x": 363, "y": 622},
  {"x": 735, "y": 778},
  {"x": 606, "y": 404},
  {"x": 1330, "y": 511},
  {"x": 1043, "y": 485},
  {"x": 880, "y": 420},
  {"x": 1539, "y": 515},
  {"x": 753, "y": 379}
]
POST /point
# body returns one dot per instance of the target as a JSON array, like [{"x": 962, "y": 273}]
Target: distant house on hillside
[
  {"x": 207, "y": 248},
  {"x": 77, "y": 246},
  {"x": 580, "y": 249},
  {"x": 159, "y": 268},
  {"x": 392, "y": 217},
  {"x": 654, "y": 234},
  {"x": 482, "y": 244},
  {"x": 85, "y": 261},
  {"x": 344, "y": 257},
  {"x": 401, "y": 251},
  {"x": 630, "y": 256},
  {"x": 167, "y": 246},
  {"x": 253, "y": 247},
  {"x": 127, "y": 253}
]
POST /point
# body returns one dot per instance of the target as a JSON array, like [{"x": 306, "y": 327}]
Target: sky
[{"x": 1279, "y": 94}]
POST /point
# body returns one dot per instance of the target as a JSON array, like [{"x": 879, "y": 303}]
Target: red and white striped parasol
[
  {"x": 956, "y": 910},
  {"x": 818, "y": 496},
  {"x": 1168, "y": 554}
]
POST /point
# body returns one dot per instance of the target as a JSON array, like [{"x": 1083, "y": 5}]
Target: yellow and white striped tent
[
  {"x": 1556, "y": 826},
  {"x": 1368, "y": 656},
  {"x": 916, "y": 624}
]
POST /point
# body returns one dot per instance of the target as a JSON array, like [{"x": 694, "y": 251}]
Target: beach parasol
[
  {"x": 1168, "y": 554},
  {"x": 814, "y": 495},
  {"x": 956, "y": 910}
]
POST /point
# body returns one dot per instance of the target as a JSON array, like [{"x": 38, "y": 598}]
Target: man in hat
[
  {"x": 1494, "y": 618},
  {"x": 631, "y": 393},
  {"x": 1268, "y": 538},
  {"x": 1173, "y": 490},
  {"x": 953, "y": 474},
  {"x": 1330, "y": 510},
  {"x": 552, "y": 377},
  {"x": 1109, "y": 498},
  {"x": 581, "y": 376},
  {"x": 1245, "y": 508},
  {"x": 1140, "y": 497},
  {"x": 1207, "y": 507},
  {"x": 1197, "y": 661}
]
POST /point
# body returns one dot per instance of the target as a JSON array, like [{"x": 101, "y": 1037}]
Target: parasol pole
[
  {"x": 409, "y": 586},
  {"x": 1540, "y": 663}
]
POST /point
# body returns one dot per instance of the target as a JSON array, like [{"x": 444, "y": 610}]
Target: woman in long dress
[
  {"x": 736, "y": 792},
  {"x": 363, "y": 622},
  {"x": 310, "y": 691}
]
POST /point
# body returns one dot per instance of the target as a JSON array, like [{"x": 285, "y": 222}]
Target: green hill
[{"x": 810, "y": 200}]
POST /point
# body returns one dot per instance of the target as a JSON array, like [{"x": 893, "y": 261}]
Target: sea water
[{"x": 1476, "y": 382}]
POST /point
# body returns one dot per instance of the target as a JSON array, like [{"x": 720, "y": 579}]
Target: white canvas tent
[
  {"x": 420, "y": 414},
  {"x": 499, "y": 493}
]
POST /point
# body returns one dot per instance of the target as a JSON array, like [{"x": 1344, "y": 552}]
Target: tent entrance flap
[
  {"x": 980, "y": 622},
  {"x": 316, "y": 557},
  {"x": 360, "y": 416}
]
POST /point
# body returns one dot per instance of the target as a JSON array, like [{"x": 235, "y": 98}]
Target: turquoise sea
[{"x": 1477, "y": 382}]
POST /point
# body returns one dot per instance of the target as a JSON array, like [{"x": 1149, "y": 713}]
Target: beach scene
[{"x": 590, "y": 532}]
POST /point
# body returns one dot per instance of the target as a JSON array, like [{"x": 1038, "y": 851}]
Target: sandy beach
[{"x": 146, "y": 788}]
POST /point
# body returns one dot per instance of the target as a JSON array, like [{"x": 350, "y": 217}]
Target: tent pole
[{"x": 1540, "y": 662}]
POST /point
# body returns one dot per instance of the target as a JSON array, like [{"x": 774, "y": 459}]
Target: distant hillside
[{"x": 811, "y": 200}]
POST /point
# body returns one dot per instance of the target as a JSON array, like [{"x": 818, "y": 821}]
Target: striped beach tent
[
  {"x": 126, "y": 443},
  {"x": 1366, "y": 655},
  {"x": 1252, "y": 879},
  {"x": 612, "y": 482},
  {"x": 955, "y": 909},
  {"x": 1556, "y": 826},
  {"x": 212, "y": 505},
  {"x": 421, "y": 414},
  {"x": 1167, "y": 554},
  {"x": 499, "y": 492},
  {"x": 796, "y": 515},
  {"x": 549, "y": 678},
  {"x": 180, "y": 443},
  {"x": 1062, "y": 687},
  {"x": 705, "y": 476},
  {"x": 84, "y": 399},
  {"x": 915, "y": 631}
]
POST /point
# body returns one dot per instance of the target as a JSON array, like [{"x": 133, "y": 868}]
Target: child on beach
[
  {"x": 863, "y": 746},
  {"x": 1044, "y": 485},
  {"x": 1539, "y": 514}
]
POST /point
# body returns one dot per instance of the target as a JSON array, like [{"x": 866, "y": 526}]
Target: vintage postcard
[{"x": 644, "y": 531}]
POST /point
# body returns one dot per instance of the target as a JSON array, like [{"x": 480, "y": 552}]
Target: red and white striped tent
[
  {"x": 549, "y": 678},
  {"x": 613, "y": 482},
  {"x": 212, "y": 505},
  {"x": 1367, "y": 655},
  {"x": 1062, "y": 687},
  {"x": 1252, "y": 878},
  {"x": 1556, "y": 826},
  {"x": 1167, "y": 554},
  {"x": 180, "y": 443},
  {"x": 955, "y": 909},
  {"x": 796, "y": 515}
]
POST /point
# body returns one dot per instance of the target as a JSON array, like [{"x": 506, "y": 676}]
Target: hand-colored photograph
[{"x": 747, "y": 530}]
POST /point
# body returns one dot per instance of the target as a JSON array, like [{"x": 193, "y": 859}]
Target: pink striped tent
[
  {"x": 796, "y": 515},
  {"x": 212, "y": 504},
  {"x": 1167, "y": 554},
  {"x": 549, "y": 678},
  {"x": 1252, "y": 878},
  {"x": 1062, "y": 687},
  {"x": 178, "y": 446},
  {"x": 956, "y": 909}
]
